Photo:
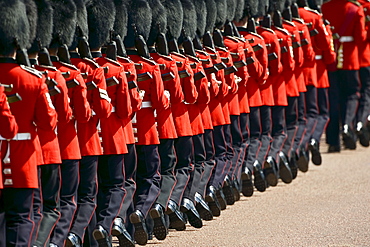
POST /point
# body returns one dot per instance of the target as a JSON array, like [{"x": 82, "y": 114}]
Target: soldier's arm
[
  {"x": 8, "y": 125},
  {"x": 101, "y": 102},
  {"x": 61, "y": 101},
  {"x": 81, "y": 107},
  {"x": 45, "y": 116},
  {"x": 123, "y": 101}
]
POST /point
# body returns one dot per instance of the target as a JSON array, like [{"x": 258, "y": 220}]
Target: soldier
[{"x": 20, "y": 170}]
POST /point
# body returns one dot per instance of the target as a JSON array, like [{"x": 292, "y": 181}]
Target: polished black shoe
[
  {"x": 314, "y": 147},
  {"x": 221, "y": 199},
  {"x": 303, "y": 160},
  {"x": 259, "y": 177},
  {"x": 348, "y": 137},
  {"x": 293, "y": 164},
  {"x": 73, "y": 240},
  {"x": 284, "y": 169},
  {"x": 247, "y": 184},
  {"x": 102, "y": 237},
  {"x": 270, "y": 171},
  {"x": 177, "y": 220},
  {"x": 141, "y": 233},
  {"x": 119, "y": 230},
  {"x": 187, "y": 207},
  {"x": 334, "y": 149},
  {"x": 363, "y": 135},
  {"x": 228, "y": 191},
  {"x": 159, "y": 230},
  {"x": 202, "y": 207},
  {"x": 212, "y": 201},
  {"x": 236, "y": 189}
]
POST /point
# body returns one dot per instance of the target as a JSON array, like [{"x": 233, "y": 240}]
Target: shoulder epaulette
[
  {"x": 233, "y": 39},
  {"x": 222, "y": 49},
  {"x": 31, "y": 71},
  {"x": 92, "y": 62},
  {"x": 355, "y": 2},
  {"x": 282, "y": 30},
  {"x": 52, "y": 68},
  {"x": 178, "y": 54},
  {"x": 289, "y": 23},
  {"x": 311, "y": 10},
  {"x": 124, "y": 59},
  {"x": 194, "y": 59},
  {"x": 70, "y": 66},
  {"x": 149, "y": 61},
  {"x": 113, "y": 61},
  {"x": 257, "y": 35},
  {"x": 168, "y": 58},
  {"x": 268, "y": 29},
  {"x": 300, "y": 20}
]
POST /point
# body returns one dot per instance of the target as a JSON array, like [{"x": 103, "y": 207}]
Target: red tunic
[
  {"x": 35, "y": 109},
  {"x": 8, "y": 126},
  {"x": 274, "y": 64},
  {"x": 129, "y": 66},
  {"x": 88, "y": 136},
  {"x": 236, "y": 47},
  {"x": 347, "y": 50},
  {"x": 48, "y": 139},
  {"x": 154, "y": 99},
  {"x": 180, "y": 112},
  {"x": 114, "y": 141},
  {"x": 67, "y": 134},
  {"x": 364, "y": 48},
  {"x": 166, "y": 127}
]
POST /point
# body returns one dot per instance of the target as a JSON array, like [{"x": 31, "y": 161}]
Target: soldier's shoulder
[
  {"x": 312, "y": 10},
  {"x": 357, "y": 3},
  {"x": 31, "y": 71}
]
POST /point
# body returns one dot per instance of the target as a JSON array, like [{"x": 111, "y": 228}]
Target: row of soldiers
[{"x": 130, "y": 117}]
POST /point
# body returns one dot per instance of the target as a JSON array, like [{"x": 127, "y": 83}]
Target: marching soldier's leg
[
  {"x": 364, "y": 107},
  {"x": 50, "y": 187},
  {"x": 18, "y": 210},
  {"x": 301, "y": 129},
  {"x": 265, "y": 133},
  {"x": 227, "y": 180},
  {"x": 332, "y": 130},
  {"x": 2, "y": 220},
  {"x": 37, "y": 208}
]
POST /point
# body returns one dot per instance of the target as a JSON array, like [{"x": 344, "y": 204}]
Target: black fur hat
[
  {"x": 159, "y": 21},
  {"x": 201, "y": 9},
  {"x": 100, "y": 16},
  {"x": 262, "y": 6},
  {"x": 13, "y": 26},
  {"x": 64, "y": 22},
  {"x": 315, "y": 4},
  {"x": 239, "y": 10},
  {"x": 211, "y": 15},
  {"x": 120, "y": 24},
  {"x": 221, "y": 13},
  {"x": 230, "y": 13},
  {"x": 190, "y": 18},
  {"x": 44, "y": 28},
  {"x": 280, "y": 5},
  {"x": 31, "y": 10},
  {"x": 252, "y": 7},
  {"x": 140, "y": 15},
  {"x": 83, "y": 28},
  {"x": 174, "y": 18}
]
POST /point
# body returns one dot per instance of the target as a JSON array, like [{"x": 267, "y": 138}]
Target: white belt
[
  {"x": 345, "y": 39},
  {"x": 318, "y": 57},
  {"x": 18, "y": 137},
  {"x": 146, "y": 104}
]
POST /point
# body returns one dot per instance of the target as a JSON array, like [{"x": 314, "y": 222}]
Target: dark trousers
[
  {"x": 291, "y": 117},
  {"x": 219, "y": 143},
  {"x": 68, "y": 194},
  {"x": 18, "y": 216},
  {"x": 301, "y": 130},
  {"x": 364, "y": 102},
  {"x": 255, "y": 135},
  {"x": 130, "y": 161},
  {"x": 50, "y": 189},
  {"x": 237, "y": 141},
  {"x": 110, "y": 189},
  {"x": 265, "y": 112},
  {"x": 2, "y": 221},
  {"x": 37, "y": 208},
  {"x": 244, "y": 129},
  {"x": 323, "y": 117},
  {"x": 166, "y": 150},
  {"x": 148, "y": 178},
  {"x": 278, "y": 131},
  {"x": 198, "y": 159},
  {"x": 229, "y": 149},
  {"x": 333, "y": 128},
  {"x": 183, "y": 168},
  {"x": 209, "y": 163},
  {"x": 311, "y": 114},
  {"x": 86, "y": 194}
]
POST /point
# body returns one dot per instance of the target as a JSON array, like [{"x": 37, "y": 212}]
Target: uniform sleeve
[
  {"x": 101, "y": 101},
  {"x": 329, "y": 56},
  {"x": 263, "y": 60},
  {"x": 297, "y": 49},
  {"x": 322, "y": 41},
  {"x": 288, "y": 56},
  {"x": 45, "y": 116},
  {"x": 255, "y": 69},
  {"x": 81, "y": 107},
  {"x": 308, "y": 52},
  {"x": 174, "y": 86},
  {"x": 123, "y": 101},
  {"x": 188, "y": 86},
  {"x": 275, "y": 66},
  {"x": 159, "y": 100},
  {"x": 8, "y": 125},
  {"x": 61, "y": 101},
  {"x": 135, "y": 98},
  {"x": 203, "y": 90},
  {"x": 359, "y": 27}
]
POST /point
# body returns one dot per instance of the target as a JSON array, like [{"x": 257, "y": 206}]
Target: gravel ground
[{"x": 327, "y": 206}]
